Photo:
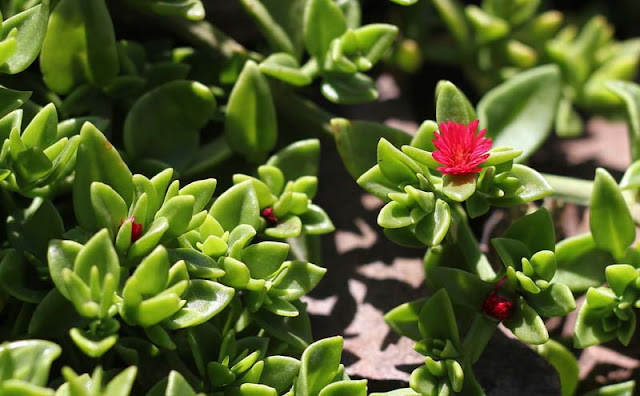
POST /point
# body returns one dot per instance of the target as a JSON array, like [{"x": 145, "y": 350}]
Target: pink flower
[{"x": 460, "y": 149}]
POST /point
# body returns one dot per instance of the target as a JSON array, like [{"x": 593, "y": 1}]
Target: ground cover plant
[{"x": 158, "y": 183}]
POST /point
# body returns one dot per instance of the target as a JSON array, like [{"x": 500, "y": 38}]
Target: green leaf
[
  {"x": 610, "y": 221},
  {"x": 544, "y": 264},
  {"x": 631, "y": 177},
  {"x": 323, "y": 22},
  {"x": 556, "y": 300},
  {"x": 527, "y": 325},
  {"x": 62, "y": 69},
  {"x": 462, "y": 287},
  {"x": 90, "y": 347},
  {"x": 458, "y": 187},
  {"x": 315, "y": 221},
  {"x": 487, "y": 27},
  {"x": 284, "y": 67},
  {"x": 178, "y": 211},
  {"x": 264, "y": 258},
  {"x": 279, "y": 372},
  {"x": 25, "y": 230},
  {"x": 404, "y": 319},
  {"x": 437, "y": 319},
  {"x": 32, "y": 27},
  {"x": 519, "y": 112},
  {"x": 619, "y": 276},
  {"x": 300, "y": 278},
  {"x": 297, "y": 159},
  {"x": 101, "y": 52},
  {"x": 287, "y": 16},
  {"x": 357, "y": 142},
  {"x": 151, "y": 275},
  {"x": 98, "y": 252},
  {"x": 178, "y": 386},
  {"x": 404, "y": 237},
  {"x": 54, "y": 317},
  {"x": 98, "y": 161},
  {"x": 374, "y": 40},
  {"x": 423, "y": 138},
  {"x": 424, "y": 382},
  {"x": 318, "y": 366},
  {"x": 452, "y": 104},
  {"x": 16, "y": 278},
  {"x": 152, "y": 235},
  {"x": 572, "y": 254},
  {"x": 42, "y": 130},
  {"x": 511, "y": 251},
  {"x": 374, "y": 182},
  {"x": 238, "y": 205},
  {"x": 345, "y": 388},
  {"x": 622, "y": 389},
  {"x": 249, "y": 389},
  {"x": 404, "y": 391},
  {"x": 61, "y": 255},
  {"x": 269, "y": 26},
  {"x": 534, "y": 187},
  {"x": 452, "y": 14},
  {"x": 589, "y": 325},
  {"x": 109, "y": 207},
  {"x": 515, "y": 12},
  {"x": 205, "y": 299},
  {"x": 432, "y": 229},
  {"x": 167, "y": 118},
  {"x": 290, "y": 228},
  {"x": 396, "y": 165},
  {"x": 405, "y": 2},
  {"x": 32, "y": 359},
  {"x": 202, "y": 191},
  {"x": 543, "y": 239},
  {"x": 122, "y": 383},
  {"x": 394, "y": 215},
  {"x": 192, "y": 10},
  {"x": 250, "y": 122},
  {"x": 31, "y": 166},
  {"x": 568, "y": 122},
  {"x": 629, "y": 92},
  {"x": 348, "y": 88},
  {"x": 11, "y": 100}
]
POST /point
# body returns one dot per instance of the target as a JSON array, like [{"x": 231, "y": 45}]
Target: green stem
[
  {"x": 478, "y": 336},
  {"x": 569, "y": 189},
  {"x": 204, "y": 35},
  {"x": 460, "y": 232}
]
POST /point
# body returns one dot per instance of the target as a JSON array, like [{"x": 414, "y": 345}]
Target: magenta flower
[{"x": 459, "y": 149}]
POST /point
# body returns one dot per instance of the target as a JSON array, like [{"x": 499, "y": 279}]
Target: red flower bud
[
  {"x": 270, "y": 217},
  {"x": 136, "y": 228},
  {"x": 498, "y": 307}
]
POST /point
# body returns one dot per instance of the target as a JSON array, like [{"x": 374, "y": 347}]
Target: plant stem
[
  {"x": 203, "y": 34},
  {"x": 460, "y": 232},
  {"x": 478, "y": 336},
  {"x": 569, "y": 189}
]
